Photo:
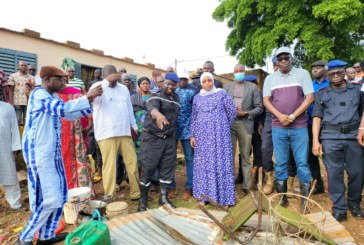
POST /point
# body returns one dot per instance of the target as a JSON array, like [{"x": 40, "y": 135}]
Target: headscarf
[{"x": 211, "y": 91}]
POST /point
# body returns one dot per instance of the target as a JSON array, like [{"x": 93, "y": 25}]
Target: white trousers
[
  {"x": 12, "y": 195},
  {"x": 43, "y": 220}
]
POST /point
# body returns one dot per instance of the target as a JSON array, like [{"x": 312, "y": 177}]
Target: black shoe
[
  {"x": 163, "y": 198},
  {"x": 239, "y": 180},
  {"x": 318, "y": 190},
  {"x": 57, "y": 238},
  {"x": 340, "y": 216},
  {"x": 245, "y": 192},
  {"x": 20, "y": 242},
  {"x": 281, "y": 187},
  {"x": 356, "y": 211}
]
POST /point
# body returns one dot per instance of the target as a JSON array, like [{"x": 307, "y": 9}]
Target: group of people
[{"x": 137, "y": 130}]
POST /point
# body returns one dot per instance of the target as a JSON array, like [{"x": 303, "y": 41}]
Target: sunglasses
[
  {"x": 31, "y": 69},
  {"x": 286, "y": 58},
  {"x": 127, "y": 80},
  {"x": 334, "y": 74}
]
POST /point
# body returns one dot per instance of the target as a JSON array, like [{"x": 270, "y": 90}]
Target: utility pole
[{"x": 175, "y": 65}]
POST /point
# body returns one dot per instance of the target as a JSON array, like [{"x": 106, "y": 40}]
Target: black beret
[{"x": 318, "y": 63}]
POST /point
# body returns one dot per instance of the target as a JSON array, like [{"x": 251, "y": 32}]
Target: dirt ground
[{"x": 10, "y": 221}]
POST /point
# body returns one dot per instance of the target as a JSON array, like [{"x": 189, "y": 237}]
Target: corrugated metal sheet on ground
[
  {"x": 188, "y": 226},
  {"x": 136, "y": 229},
  {"x": 332, "y": 228},
  {"x": 158, "y": 226}
]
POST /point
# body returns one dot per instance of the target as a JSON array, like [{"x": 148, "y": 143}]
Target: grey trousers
[{"x": 239, "y": 133}]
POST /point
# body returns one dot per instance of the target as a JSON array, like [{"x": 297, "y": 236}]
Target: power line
[{"x": 210, "y": 58}]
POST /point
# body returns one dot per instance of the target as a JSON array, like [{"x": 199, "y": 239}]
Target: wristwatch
[{"x": 292, "y": 116}]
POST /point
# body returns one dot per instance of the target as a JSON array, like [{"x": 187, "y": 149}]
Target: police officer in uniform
[
  {"x": 337, "y": 112},
  {"x": 158, "y": 148}
]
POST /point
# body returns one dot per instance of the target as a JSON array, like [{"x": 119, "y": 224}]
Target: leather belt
[
  {"x": 162, "y": 136},
  {"x": 344, "y": 129}
]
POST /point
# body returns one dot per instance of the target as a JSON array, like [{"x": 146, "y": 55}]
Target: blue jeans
[
  {"x": 188, "y": 151},
  {"x": 297, "y": 139}
]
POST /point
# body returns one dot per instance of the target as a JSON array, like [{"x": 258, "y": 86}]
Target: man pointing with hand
[{"x": 158, "y": 149}]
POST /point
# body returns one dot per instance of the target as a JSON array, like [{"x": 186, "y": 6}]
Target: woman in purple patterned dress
[{"x": 213, "y": 113}]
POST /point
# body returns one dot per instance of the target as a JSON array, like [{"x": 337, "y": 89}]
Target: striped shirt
[{"x": 76, "y": 83}]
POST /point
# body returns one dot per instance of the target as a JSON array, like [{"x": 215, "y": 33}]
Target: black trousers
[
  {"x": 257, "y": 147},
  {"x": 267, "y": 149},
  {"x": 341, "y": 155},
  {"x": 314, "y": 163},
  {"x": 121, "y": 173},
  {"x": 94, "y": 150},
  {"x": 157, "y": 153}
]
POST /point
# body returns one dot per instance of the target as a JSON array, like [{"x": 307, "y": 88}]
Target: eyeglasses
[
  {"x": 286, "y": 58},
  {"x": 336, "y": 73}
]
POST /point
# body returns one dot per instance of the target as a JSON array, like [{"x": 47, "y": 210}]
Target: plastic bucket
[
  {"x": 77, "y": 199},
  {"x": 80, "y": 194},
  {"x": 117, "y": 209}
]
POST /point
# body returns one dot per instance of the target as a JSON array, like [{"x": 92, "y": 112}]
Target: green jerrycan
[{"x": 94, "y": 232}]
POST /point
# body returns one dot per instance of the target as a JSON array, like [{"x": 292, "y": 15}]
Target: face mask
[{"x": 239, "y": 77}]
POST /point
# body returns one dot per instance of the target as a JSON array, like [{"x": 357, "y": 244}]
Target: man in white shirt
[{"x": 114, "y": 124}]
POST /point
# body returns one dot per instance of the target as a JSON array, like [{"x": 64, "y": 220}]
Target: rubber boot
[
  {"x": 305, "y": 190},
  {"x": 290, "y": 186},
  {"x": 143, "y": 201},
  {"x": 281, "y": 187},
  {"x": 163, "y": 198},
  {"x": 269, "y": 183}
]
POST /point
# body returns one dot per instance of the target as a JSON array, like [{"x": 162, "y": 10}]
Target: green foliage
[{"x": 320, "y": 29}]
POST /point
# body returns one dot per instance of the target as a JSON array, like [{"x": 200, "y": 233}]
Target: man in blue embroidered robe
[{"x": 42, "y": 152}]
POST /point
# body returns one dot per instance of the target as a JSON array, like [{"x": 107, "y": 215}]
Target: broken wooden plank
[{"x": 239, "y": 214}]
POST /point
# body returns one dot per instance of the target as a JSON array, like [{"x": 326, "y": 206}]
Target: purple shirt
[{"x": 287, "y": 92}]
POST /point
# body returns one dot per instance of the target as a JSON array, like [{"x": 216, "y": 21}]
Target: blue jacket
[{"x": 186, "y": 95}]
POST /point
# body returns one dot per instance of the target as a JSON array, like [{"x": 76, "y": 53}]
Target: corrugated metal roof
[{"x": 157, "y": 226}]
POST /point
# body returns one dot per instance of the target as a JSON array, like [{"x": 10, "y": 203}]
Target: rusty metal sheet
[{"x": 163, "y": 226}]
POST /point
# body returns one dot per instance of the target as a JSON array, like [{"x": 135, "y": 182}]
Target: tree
[{"x": 318, "y": 29}]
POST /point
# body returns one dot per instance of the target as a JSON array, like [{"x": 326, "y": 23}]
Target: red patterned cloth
[
  {"x": 76, "y": 162},
  {"x": 4, "y": 88}
]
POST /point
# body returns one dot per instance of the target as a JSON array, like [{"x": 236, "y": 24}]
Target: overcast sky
[{"x": 158, "y": 30}]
